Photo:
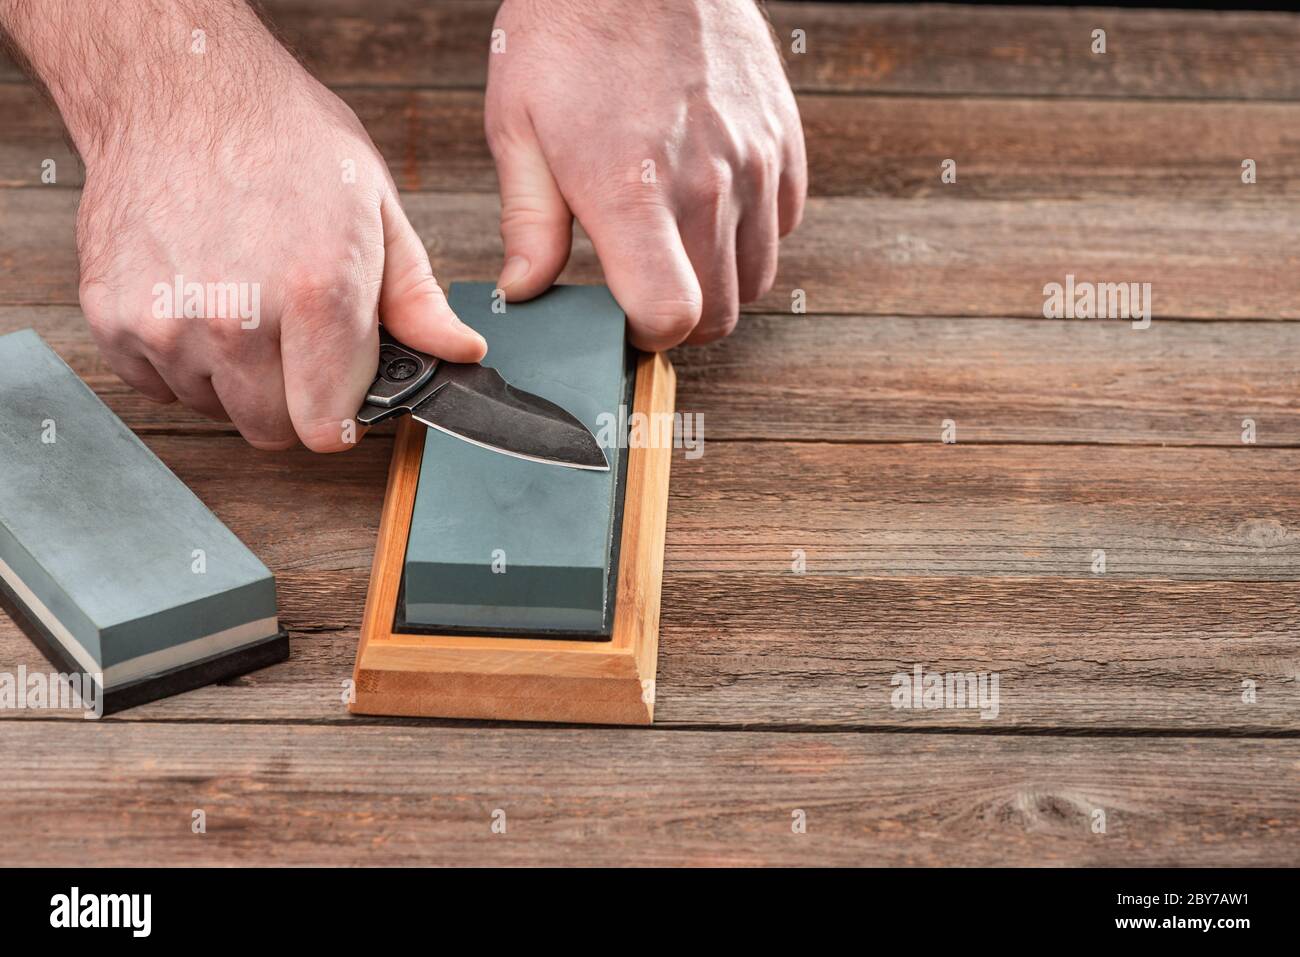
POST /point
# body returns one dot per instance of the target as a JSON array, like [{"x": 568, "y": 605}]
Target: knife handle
[{"x": 401, "y": 371}]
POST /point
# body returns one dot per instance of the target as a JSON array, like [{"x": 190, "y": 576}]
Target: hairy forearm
[{"x": 115, "y": 68}]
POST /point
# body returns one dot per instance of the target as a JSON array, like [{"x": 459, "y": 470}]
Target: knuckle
[
  {"x": 634, "y": 200},
  {"x": 308, "y": 291},
  {"x": 112, "y": 336},
  {"x": 499, "y": 128},
  {"x": 98, "y": 302},
  {"x": 421, "y": 285},
  {"x": 759, "y": 167},
  {"x": 709, "y": 186},
  {"x": 162, "y": 338},
  {"x": 507, "y": 124},
  {"x": 520, "y": 213},
  {"x": 230, "y": 342}
]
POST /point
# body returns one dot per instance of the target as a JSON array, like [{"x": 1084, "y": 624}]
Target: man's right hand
[{"x": 216, "y": 167}]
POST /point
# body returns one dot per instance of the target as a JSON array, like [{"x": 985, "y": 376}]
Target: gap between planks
[{"x": 378, "y": 721}]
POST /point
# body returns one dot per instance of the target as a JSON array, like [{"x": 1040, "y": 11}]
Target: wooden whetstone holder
[{"x": 524, "y": 679}]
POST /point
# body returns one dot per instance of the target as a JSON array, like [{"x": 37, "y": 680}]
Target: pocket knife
[{"x": 474, "y": 403}]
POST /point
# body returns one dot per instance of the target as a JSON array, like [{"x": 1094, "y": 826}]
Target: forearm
[{"x": 114, "y": 67}]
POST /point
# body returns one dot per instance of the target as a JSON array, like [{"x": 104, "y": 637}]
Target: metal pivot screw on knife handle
[{"x": 401, "y": 372}]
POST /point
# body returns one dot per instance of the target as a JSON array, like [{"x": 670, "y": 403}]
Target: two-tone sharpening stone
[
  {"x": 107, "y": 561},
  {"x": 504, "y": 545}
]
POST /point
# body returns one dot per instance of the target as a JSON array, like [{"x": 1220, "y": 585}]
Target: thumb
[
  {"x": 536, "y": 224},
  {"x": 412, "y": 306}
]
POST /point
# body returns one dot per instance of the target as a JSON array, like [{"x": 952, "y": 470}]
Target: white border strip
[{"x": 146, "y": 665}]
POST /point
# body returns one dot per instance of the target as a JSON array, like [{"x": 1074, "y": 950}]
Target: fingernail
[{"x": 515, "y": 269}]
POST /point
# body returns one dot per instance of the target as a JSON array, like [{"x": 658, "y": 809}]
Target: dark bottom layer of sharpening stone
[{"x": 229, "y": 664}]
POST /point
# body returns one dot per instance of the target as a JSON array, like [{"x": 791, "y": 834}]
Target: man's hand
[
  {"x": 670, "y": 131},
  {"x": 239, "y": 235}
]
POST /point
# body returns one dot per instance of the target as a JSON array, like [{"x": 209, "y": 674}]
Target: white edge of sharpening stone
[{"x": 147, "y": 665}]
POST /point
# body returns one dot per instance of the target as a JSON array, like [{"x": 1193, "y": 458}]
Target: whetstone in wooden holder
[{"x": 534, "y": 674}]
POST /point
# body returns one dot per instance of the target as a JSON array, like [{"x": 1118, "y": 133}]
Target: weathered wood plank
[
  {"x": 961, "y": 49},
  {"x": 823, "y": 651},
  {"x": 879, "y": 510},
  {"x": 999, "y": 380},
  {"x": 895, "y": 48},
  {"x": 857, "y": 146},
  {"x": 421, "y": 794},
  {"x": 887, "y": 379},
  {"x": 929, "y": 257},
  {"x": 959, "y": 559},
  {"x": 1008, "y": 148},
  {"x": 1186, "y": 514},
  {"x": 926, "y": 509}
]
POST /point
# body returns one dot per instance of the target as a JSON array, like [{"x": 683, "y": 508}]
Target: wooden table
[{"x": 1122, "y": 693}]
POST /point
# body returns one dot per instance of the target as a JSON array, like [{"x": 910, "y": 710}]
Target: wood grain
[
  {"x": 890, "y": 379},
  {"x": 857, "y": 145},
  {"x": 744, "y": 651},
  {"x": 1189, "y": 514},
  {"x": 1016, "y": 148},
  {"x": 958, "y": 49},
  {"x": 892, "y": 48},
  {"x": 912, "y": 257},
  {"x": 421, "y": 794},
  {"x": 956, "y": 558},
  {"x": 1185, "y": 514}
]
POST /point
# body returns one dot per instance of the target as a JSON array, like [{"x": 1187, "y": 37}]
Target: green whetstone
[
  {"x": 509, "y": 546},
  {"x": 108, "y": 562}
]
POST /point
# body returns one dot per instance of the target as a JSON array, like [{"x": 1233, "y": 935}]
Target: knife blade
[{"x": 475, "y": 404}]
